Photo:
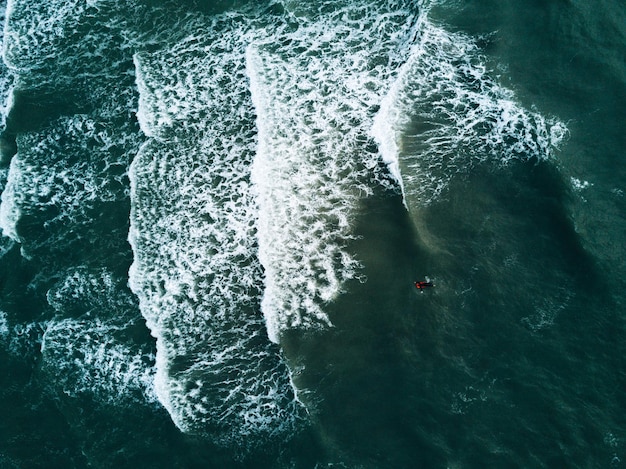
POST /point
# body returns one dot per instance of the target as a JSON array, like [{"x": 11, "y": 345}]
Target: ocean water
[{"x": 213, "y": 214}]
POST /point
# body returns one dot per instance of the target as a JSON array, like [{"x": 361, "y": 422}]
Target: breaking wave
[
  {"x": 196, "y": 271},
  {"x": 263, "y": 132},
  {"x": 446, "y": 112},
  {"x": 315, "y": 92}
]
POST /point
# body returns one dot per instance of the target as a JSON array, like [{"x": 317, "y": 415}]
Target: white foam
[
  {"x": 6, "y": 81},
  {"x": 23, "y": 339},
  {"x": 385, "y": 129},
  {"x": 60, "y": 173},
  {"x": 90, "y": 291},
  {"x": 88, "y": 347},
  {"x": 176, "y": 98},
  {"x": 33, "y": 29},
  {"x": 304, "y": 213},
  {"x": 9, "y": 207},
  {"x": 195, "y": 268},
  {"x": 85, "y": 356},
  {"x": 42, "y": 34},
  {"x": 82, "y": 50},
  {"x": 311, "y": 171},
  {"x": 546, "y": 310},
  {"x": 445, "y": 113},
  {"x": 4, "y": 325},
  {"x": 579, "y": 185}
]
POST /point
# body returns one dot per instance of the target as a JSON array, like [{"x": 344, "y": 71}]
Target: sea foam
[
  {"x": 445, "y": 112},
  {"x": 63, "y": 176},
  {"x": 93, "y": 357},
  {"x": 315, "y": 100},
  {"x": 195, "y": 268},
  {"x": 66, "y": 196},
  {"x": 4, "y": 326},
  {"x": 89, "y": 347}
]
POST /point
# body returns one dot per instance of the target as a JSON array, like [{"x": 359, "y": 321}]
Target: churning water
[{"x": 214, "y": 212}]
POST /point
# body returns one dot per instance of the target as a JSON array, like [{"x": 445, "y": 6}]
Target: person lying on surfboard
[{"x": 421, "y": 285}]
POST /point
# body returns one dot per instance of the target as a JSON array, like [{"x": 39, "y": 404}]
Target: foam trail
[
  {"x": 444, "y": 113},
  {"x": 6, "y": 81},
  {"x": 4, "y": 326},
  {"x": 65, "y": 176},
  {"x": 192, "y": 232},
  {"x": 313, "y": 165},
  {"x": 89, "y": 355},
  {"x": 304, "y": 222},
  {"x": 69, "y": 171}
]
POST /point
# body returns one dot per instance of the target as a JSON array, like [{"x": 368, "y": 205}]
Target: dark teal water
[{"x": 214, "y": 212}]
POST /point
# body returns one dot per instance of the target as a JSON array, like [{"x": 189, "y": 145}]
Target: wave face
[
  {"x": 196, "y": 271},
  {"x": 445, "y": 113}
]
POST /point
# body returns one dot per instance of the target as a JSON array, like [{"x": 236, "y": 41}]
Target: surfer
[{"x": 421, "y": 285}]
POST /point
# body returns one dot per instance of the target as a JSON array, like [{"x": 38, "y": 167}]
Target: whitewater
[
  {"x": 244, "y": 195},
  {"x": 217, "y": 211}
]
